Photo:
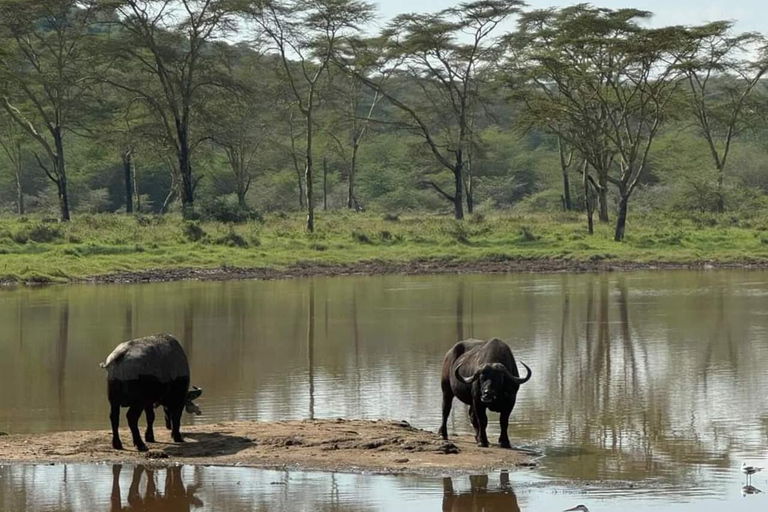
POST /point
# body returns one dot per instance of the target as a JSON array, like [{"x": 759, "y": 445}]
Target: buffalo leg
[
  {"x": 482, "y": 423},
  {"x": 176, "y": 424},
  {"x": 447, "y": 404},
  {"x": 475, "y": 425},
  {"x": 149, "y": 414},
  {"x": 504, "y": 423},
  {"x": 167, "y": 413},
  {"x": 114, "y": 418},
  {"x": 134, "y": 413}
]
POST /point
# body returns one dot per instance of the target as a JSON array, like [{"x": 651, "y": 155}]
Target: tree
[
  {"x": 430, "y": 51},
  {"x": 308, "y": 31},
  {"x": 165, "y": 55},
  {"x": 721, "y": 75},
  {"x": 11, "y": 144},
  {"x": 45, "y": 60},
  {"x": 357, "y": 106},
  {"x": 604, "y": 84},
  {"x": 242, "y": 121}
]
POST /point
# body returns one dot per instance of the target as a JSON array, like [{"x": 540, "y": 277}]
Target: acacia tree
[
  {"x": 358, "y": 104},
  {"x": 11, "y": 144},
  {"x": 429, "y": 50},
  {"x": 165, "y": 55},
  {"x": 45, "y": 58},
  {"x": 242, "y": 121},
  {"x": 305, "y": 34},
  {"x": 722, "y": 72},
  {"x": 607, "y": 83}
]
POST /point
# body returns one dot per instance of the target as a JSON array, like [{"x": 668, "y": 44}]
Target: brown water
[{"x": 655, "y": 378}]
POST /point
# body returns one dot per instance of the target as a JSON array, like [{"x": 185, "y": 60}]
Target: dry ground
[{"x": 329, "y": 445}]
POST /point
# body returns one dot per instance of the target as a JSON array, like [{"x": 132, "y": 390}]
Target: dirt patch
[
  {"x": 326, "y": 445},
  {"x": 415, "y": 267}
]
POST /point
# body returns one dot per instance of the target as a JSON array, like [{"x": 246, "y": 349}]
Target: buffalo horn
[
  {"x": 518, "y": 380},
  {"x": 465, "y": 380}
]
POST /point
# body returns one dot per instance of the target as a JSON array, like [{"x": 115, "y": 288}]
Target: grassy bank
[{"x": 92, "y": 245}]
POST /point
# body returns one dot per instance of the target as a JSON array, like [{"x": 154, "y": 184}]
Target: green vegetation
[
  {"x": 92, "y": 245},
  {"x": 249, "y": 117}
]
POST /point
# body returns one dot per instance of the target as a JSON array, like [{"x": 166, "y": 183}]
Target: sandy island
[{"x": 323, "y": 445}]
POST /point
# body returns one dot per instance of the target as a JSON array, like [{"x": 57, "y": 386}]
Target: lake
[{"x": 646, "y": 386}]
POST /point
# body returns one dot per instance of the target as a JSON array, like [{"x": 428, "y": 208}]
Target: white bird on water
[
  {"x": 579, "y": 508},
  {"x": 749, "y": 470}
]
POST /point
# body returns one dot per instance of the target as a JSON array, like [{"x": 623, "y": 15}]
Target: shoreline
[
  {"x": 346, "y": 446},
  {"x": 418, "y": 267}
]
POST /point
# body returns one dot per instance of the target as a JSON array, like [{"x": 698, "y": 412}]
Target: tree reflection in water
[{"x": 176, "y": 497}]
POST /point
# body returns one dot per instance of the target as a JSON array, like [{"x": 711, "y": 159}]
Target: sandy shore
[{"x": 324, "y": 445}]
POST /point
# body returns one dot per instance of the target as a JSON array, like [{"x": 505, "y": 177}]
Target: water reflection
[
  {"x": 636, "y": 376},
  {"x": 175, "y": 498},
  {"x": 480, "y": 498}
]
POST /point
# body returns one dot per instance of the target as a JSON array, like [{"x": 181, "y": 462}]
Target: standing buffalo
[
  {"x": 484, "y": 375},
  {"x": 143, "y": 374}
]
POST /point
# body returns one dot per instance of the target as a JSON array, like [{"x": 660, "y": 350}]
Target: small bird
[
  {"x": 749, "y": 470},
  {"x": 579, "y": 508}
]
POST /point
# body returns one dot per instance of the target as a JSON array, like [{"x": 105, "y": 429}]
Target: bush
[
  {"x": 360, "y": 237},
  {"x": 231, "y": 239},
  {"x": 527, "y": 234},
  {"x": 457, "y": 231},
  {"x": 40, "y": 233},
  {"x": 390, "y": 217},
  {"x": 193, "y": 232},
  {"x": 229, "y": 211}
]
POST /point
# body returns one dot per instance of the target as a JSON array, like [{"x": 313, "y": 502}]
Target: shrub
[
  {"x": 40, "y": 233},
  {"x": 477, "y": 218},
  {"x": 527, "y": 234},
  {"x": 457, "y": 231},
  {"x": 231, "y": 239},
  {"x": 229, "y": 211},
  {"x": 360, "y": 237},
  {"x": 390, "y": 217},
  {"x": 193, "y": 232}
]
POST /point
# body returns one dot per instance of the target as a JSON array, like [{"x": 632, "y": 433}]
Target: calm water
[{"x": 654, "y": 381}]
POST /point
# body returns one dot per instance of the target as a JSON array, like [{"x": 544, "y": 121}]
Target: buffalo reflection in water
[
  {"x": 176, "y": 497},
  {"x": 480, "y": 498}
]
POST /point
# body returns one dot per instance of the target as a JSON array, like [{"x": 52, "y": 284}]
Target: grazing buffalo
[
  {"x": 145, "y": 373},
  {"x": 482, "y": 374}
]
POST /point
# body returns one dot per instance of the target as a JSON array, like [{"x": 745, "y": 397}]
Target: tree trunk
[
  {"x": 185, "y": 171},
  {"x": 19, "y": 188},
  {"x": 470, "y": 186},
  {"x": 589, "y": 205},
  {"x": 308, "y": 177},
  {"x": 458, "y": 198},
  {"x": 720, "y": 194},
  {"x": 325, "y": 183},
  {"x": 136, "y": 187},
  {"x": 351, "y": 179},
  {"x": 567, "y": 191},
  {"x": 603, "y": 197},
  {"x": 127, "y": 171},
  {"x": 300, "y": 180},
  {"x": 61, "y": 175},
  {"x": 621, "y": 221}
]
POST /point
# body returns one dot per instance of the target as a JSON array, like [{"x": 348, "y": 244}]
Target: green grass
[{"x": 93, "y": 245}]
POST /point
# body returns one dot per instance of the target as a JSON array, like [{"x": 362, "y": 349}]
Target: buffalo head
[{"x": 495, "y": 381}]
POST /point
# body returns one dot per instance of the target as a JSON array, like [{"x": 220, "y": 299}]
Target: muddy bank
[
  {"x": 415, "y": 267},
  {"x": 325, "y": 445}
]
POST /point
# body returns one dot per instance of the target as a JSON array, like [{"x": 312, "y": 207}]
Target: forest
[{"x": 233, "y": 110}]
